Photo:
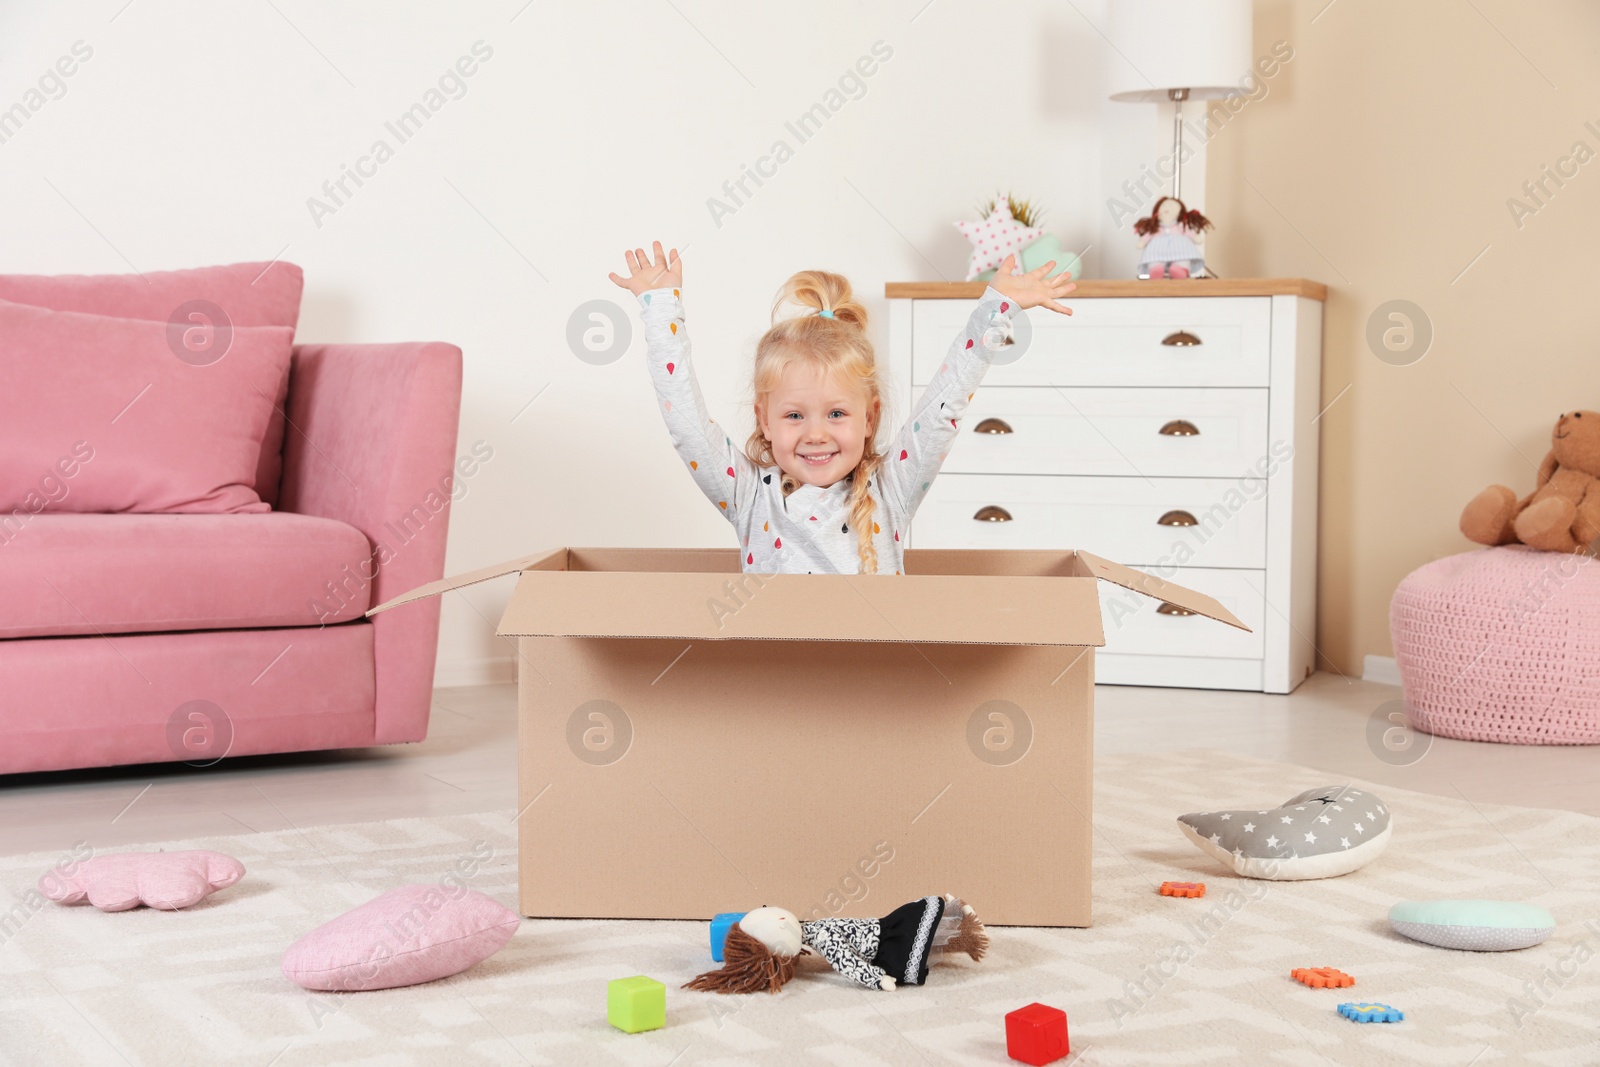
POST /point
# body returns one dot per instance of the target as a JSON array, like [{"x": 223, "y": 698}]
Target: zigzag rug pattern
[{"x": 1157, "y": 980}]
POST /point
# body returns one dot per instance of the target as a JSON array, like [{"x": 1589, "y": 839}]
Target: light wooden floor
[{"x": 468, "y": 764}]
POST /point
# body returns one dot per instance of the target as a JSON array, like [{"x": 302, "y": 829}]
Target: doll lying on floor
[{"x": 762, "y": 947}]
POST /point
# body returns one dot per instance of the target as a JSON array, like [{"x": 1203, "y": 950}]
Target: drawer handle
[
  {"x": 1181, "y": 339},
  {"x": 1178, "y": 517},
  {"x": 1172, "y": 609},
  {"x": 991, "y": 513},
  {"x": 993, "y": 426},
  {"x": 1180, "y": 428}
]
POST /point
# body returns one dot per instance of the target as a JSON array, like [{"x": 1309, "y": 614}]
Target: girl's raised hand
[
  {"x": 666, "y": 271},
  {"x": 1033, "y": 289}
]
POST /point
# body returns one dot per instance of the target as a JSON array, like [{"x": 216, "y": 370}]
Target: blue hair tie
[{"x": 826, "y": 313}]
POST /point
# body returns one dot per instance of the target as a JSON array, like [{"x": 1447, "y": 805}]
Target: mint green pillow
[
  {"x": 1474, "y": 925},
  {"x": 1040, "y": 252}
]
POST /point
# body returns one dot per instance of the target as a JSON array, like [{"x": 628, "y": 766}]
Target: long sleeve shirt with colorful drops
[{"x": 808, "y": 530}]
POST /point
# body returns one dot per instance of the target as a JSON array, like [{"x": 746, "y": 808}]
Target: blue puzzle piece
[
  {"x": 719, "y": 931},
  {"x": 1371, "y": 1013}
]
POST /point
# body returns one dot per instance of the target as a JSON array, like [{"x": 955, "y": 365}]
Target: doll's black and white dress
[{"x": 897, "y": 945}]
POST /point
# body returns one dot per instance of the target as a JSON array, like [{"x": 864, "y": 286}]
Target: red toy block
[
  {"x": 1322, "y": 977},
  {"x": 1037, "y": 1034},
  {"x": 1183, "y": 889}
]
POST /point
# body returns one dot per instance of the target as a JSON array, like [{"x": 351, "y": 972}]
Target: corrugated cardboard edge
[
  {"x": 537, "y": 561},
  {"x": 621, "y": 636},
  {"x": 1061, "y": 610},
  {"x": 1093, "y": 566},
  {"x": 1087, "y": 565}
]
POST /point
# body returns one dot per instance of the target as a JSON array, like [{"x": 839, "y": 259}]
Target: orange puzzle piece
[
  {"x": 1322, "y": 977},
  {"x": 1183, "y": 889}
]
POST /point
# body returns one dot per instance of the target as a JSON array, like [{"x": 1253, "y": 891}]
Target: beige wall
[{"x": 1380, "y": 162}]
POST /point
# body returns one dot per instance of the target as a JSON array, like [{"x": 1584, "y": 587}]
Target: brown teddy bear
[{"x": 1562, "y": 514}]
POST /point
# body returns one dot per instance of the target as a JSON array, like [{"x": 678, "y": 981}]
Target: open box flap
[
  {"x": 1093, "y": 566},
  {"x": 538, "y": 560}
]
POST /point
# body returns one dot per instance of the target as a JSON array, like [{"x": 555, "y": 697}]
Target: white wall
[{"x": 197, "y": 132}]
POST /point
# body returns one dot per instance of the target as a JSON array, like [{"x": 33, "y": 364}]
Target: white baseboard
[
  {"x": 1382, "y": 669},
  {"x": 500, "y": 670}
]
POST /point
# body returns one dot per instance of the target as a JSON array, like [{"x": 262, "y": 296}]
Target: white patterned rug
[{"x": 1155, "y": 981}]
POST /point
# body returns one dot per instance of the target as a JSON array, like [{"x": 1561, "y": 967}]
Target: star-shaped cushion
[
  {"x": 1321, "y": 833},
  {"x": 996, "y": 237},
  {"x": 123, "y": 880}
]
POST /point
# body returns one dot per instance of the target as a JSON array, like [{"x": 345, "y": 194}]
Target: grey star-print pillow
[{"x": 1320, "y": 833}]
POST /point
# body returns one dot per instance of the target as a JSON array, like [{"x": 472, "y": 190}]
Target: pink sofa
[{"x": 132, "y": 638}]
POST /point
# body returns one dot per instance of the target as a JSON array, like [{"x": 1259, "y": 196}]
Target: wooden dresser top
[{"x": 1126, "y": 287}]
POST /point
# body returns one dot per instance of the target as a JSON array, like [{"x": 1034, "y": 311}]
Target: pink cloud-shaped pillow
[
  {"x": 123, "y": 880},
  {"x": 411, "y": 934}
]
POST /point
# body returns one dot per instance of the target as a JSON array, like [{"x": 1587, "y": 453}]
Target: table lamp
[{"x": 1178, "y": 50}]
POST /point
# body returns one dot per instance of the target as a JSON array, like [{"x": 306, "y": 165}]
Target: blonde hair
[{"x": 838, "y": 347}]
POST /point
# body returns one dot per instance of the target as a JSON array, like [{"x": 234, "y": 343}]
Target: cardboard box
[{"x": 694, "y": 740}]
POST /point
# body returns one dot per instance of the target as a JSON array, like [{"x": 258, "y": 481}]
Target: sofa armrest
[{"x": 371, "y": 441}]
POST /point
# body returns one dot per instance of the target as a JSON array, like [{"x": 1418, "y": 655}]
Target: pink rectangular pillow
[
  {"x": 253, "y": 294},
  {"x": 248, "y": 294},
  {"x": 101, "y": 414}
]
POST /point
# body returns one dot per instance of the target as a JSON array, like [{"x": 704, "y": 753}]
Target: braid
[{"x": 861, "y": 506}]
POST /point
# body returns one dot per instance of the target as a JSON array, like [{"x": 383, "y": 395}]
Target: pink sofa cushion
[
  {"x": 253, "y": 294},
  {"x": 108, "y": 574},
  {"x": 250, "y": 294},
  {"x": 411, "y": 934},
  {"x": 103, "y": 415},
  {"x": 197, "y": 697}
]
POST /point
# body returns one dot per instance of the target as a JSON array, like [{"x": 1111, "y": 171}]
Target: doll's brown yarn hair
[
  {"x": 1187, "y": 216},
  {"x": 748, "y": 966},
  {"x": 970, "y": 937},
  {"x": 839, "y": 348}
]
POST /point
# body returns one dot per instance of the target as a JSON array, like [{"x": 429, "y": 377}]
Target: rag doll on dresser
[{"x": 1169, "y": 236}]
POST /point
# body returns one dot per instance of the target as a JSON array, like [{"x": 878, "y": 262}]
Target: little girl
[{"x": 811, "y": 492}]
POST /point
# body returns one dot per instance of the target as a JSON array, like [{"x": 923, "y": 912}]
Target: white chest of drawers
[{"x": 1168, "y": 425}]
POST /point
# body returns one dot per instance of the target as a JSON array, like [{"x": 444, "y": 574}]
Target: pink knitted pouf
[{"x": 1502, "y": 644}]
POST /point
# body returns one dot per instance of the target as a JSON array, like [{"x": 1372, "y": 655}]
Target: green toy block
[{"x": 636, "y": 1004}]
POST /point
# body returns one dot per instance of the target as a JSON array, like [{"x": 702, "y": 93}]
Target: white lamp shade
[{"x": 1199, "y": 45}]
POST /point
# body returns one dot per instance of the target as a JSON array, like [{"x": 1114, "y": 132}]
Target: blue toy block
[
  {"x": 1371, "y": 1013},
  {"x": 719, "y": 931}
]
